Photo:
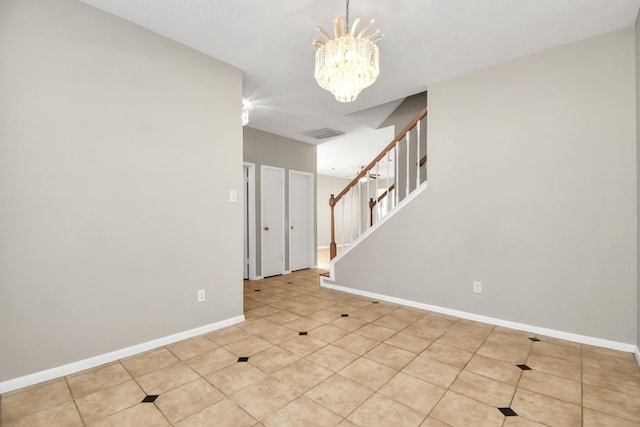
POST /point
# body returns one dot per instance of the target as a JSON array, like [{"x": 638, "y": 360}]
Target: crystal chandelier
[{"x": 347, "y": 63}]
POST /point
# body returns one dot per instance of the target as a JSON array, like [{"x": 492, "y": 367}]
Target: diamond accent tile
[
  {"x": 312, "y": 350},
  {"x": 508, "y": 412}
]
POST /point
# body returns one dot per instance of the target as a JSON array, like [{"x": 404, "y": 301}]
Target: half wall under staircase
[{"x": 381, "y": 188}]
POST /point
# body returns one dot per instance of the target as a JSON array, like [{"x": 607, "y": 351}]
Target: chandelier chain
[{"x": 347, "y": 16}]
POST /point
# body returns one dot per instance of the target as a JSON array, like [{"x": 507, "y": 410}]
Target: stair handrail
[
  {"x": 373, "y": 202},
  {"x": 364, "y": 172}
]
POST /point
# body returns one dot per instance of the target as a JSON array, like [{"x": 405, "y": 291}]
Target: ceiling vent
[{"x": 322, "y": 133}]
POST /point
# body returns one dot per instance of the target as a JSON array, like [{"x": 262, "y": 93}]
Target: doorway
[{"x": 249, "y": 220}]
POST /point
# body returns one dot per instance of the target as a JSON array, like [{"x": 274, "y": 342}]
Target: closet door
[{"x": 272, "y": 220}]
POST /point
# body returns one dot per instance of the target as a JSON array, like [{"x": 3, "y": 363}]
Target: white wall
[
  {"x": 118, "y": 149},
  {"x": 532, "y": 190}
]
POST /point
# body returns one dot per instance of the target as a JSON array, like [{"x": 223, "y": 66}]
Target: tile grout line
[
  {"x": 458, "y": 375},
  {"x": 396, "y": 332},
  {"x": 581, "y": 384},
  {"x": 307, "y": 295},
  {"x": 73, "y": 399},
  {"x": 445, "y": 391}
]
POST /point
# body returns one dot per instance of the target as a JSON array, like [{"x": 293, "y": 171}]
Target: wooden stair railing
[
  {"x": 366, "y": 171},
  {"x": 373, "y": 202}
]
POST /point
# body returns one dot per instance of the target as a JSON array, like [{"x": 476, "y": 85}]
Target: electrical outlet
[
  {"x": 477, "y": 287},
  {"x": 201, "y": 295}
]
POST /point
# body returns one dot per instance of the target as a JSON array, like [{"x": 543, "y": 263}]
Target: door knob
[
  {"x": 266, "y": 229},
  {"x": 292, "y": 227}
]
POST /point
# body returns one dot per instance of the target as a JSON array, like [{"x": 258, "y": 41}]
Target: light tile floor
[{"x": 317, "y": 357}]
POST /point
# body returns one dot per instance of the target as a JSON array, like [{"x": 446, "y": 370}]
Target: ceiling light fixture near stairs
[
  {"x": 245, "y": 112},
  {"x": 348, "y": 63}
]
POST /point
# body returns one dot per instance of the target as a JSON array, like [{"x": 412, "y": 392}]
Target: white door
[
  {"x": 301, "y": 241},
  {"x": 272, "y": 218}
]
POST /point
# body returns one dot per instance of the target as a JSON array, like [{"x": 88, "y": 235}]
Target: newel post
[
  {"x": 332, "y": 245},
  {"x": 372, "y": 204}
]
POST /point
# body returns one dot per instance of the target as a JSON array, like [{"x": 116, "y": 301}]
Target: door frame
[
  {"x": 251, "y": 219},
  {"x": 312, "y": 232},
  {"x": 262, "y": 245}
]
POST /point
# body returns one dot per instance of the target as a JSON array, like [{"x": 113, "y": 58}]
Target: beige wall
[
  {"x": 263, "y": 148},
  {"x": 637, "y": 52},
  {"x": 406, "y": 112},
  {"x": 118, "y": 149},
  {"x": 532, "y": 190}
]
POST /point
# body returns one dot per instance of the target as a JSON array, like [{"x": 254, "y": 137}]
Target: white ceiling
[{"x": 426, "y": 41}]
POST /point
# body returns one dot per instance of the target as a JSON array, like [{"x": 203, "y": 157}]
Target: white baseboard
[
  {"x": 568, "y": 336},
  {"x": 92, "y": 362}
]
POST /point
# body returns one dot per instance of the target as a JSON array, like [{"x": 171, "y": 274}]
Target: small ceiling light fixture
[
  {"x": 348, "y": 63},
  {"x": 245, "y": 112}
]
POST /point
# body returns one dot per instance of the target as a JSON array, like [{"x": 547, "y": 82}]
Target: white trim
[
  {"x": 568, "y": 336},
  {"x": 251, "y": 209},
  {"x": 262, "y": 248},
  {"x": 310, "y": 199},
  {"x": 637, "y": 354},
  {"x": 92, "y": 362},
  {"x": 337, "y": 246}
]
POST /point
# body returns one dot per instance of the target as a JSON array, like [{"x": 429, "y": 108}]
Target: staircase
[{"x": 380, "y": 187}]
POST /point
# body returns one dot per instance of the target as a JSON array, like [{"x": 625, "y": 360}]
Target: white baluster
[
  {"x": 352, "y": 216},
  {"x": 343, "y": 221},
  {"x": 408, "y": 166},
  {"x": 388, "y": 200},
  {"x": 366, "y": 203},
  {"x": 396, "y": 188},
  {"x": 375, "y": 195},
  {"x": 359, "y": 210},
  {"x": 418, "y": 154}
]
